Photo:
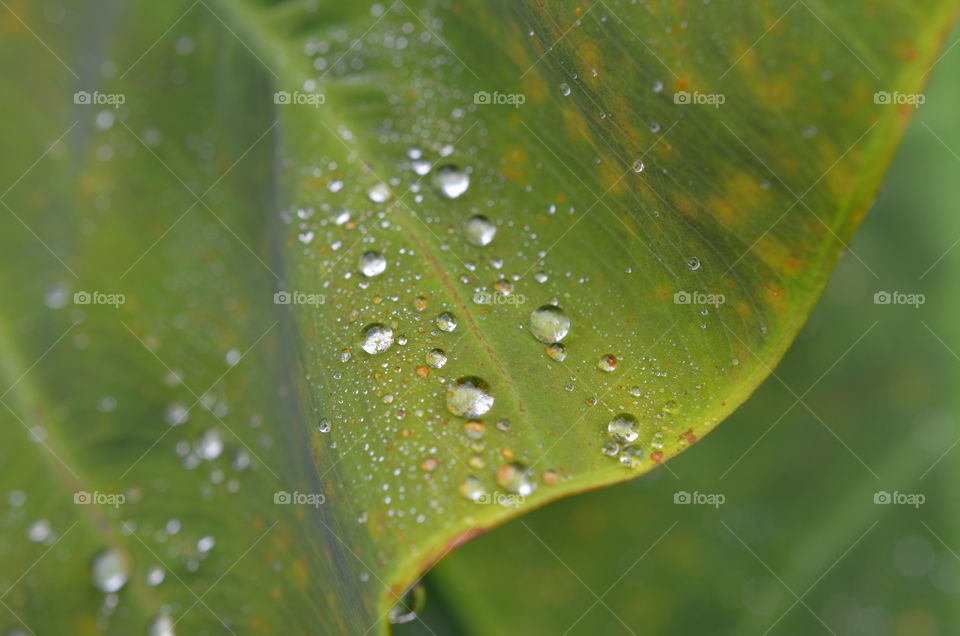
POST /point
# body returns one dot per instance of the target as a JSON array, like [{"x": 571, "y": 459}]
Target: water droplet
[
  {"x": 657, "y": 86},
  {"x": 671, "y": 407},
  {"x": 549, "y": 324},
  {"x": 472, "y": 488},
  {"x": 624, "y": 428},
  {"x": 421, "y": 167},
  {"x": 176, "y": 413},
  {"x": 540, "y": 277},
  {"x": 39, "y": 531},
  {"x": 210, "y": 444},
  {"x": 565, "y": 89},
  {"x": 469, "y": 396},
  {"x": 638, "y": 166},
  {"x": 610, "y": 449},
  {"x": 480, "y": 230},
  {"x": 379, "y": 192},
  {"x": 693, "y": 263},
  {"x": 607, "y": 363},
  {"x": 305, "y": 237},
  {"x": 450, "y": 181},
  {"x": 654, "y": 127},
  {"x": 324, "y": 426},
  {"x": 109, "y": 571},
  {"x": 155, "y": 575},
  {"x": 436, "y": 358},
  {"x": 377, "y": 338},
  {"x": 503, "y": 425},
  {"x": 516, "y": 478},
  {"x": 409, "y": 605},
  {"x": 557, "y": 352},
  {"x": 205, "y": 544},
  {"x": 372, "y": 264},
  {"x": 631, "y": 455},
  {"x": 474, "y": 429},
  {"x": 446, "y": 321}
]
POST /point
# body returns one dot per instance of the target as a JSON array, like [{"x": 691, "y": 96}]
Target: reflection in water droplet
[
  {"x": 377, "y": 338},
  {"x": 109, "y": 571},
  {"x": 446, "y": 321},
  {"x": 372, "y": 264},
  {"x": 516, "y": 478},
  {"x": 472, "y": 488},
  {"x": 549, "y": 324},
  {"x": 624, "y": 428},
  {"x": 469, "y": 396},
  {"x": 450, "y": 181},
  {"x": 480, "y": 230},
  {"x": 693, "y": 263},
  {"x": 409, "y": 605}
]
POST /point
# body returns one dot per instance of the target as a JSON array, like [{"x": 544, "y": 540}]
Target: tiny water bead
[
  {"x": 162, "y": 625},
  {"x": 377, "y": 338},
  {"x": 479, "y": 230},
  {"x": 472, "y": 489},
  {"x": 565, "y": 89},
  {"x": 607, "y": 363},
  {"x": 557, "y": 352},
  {"x": 372, "y": 264},
  {"x": 624, "y": 428},
  {"x": 324, "y": 426},
  {"x": 638, "y": 166},
  {"x": 474, "y": 429},
  {"x": 693, "y": 263},
  {"x": 109, "y": 571},
  {"x": 450, "y": 181},
  {"x": 436, "y": 358},
  {"x": 379, "y": 192},
  {"x": 631, "y": 455},
  {"x": 516, "y": 478},
  {"x": 469, "y": 396},
  {"x": 549, "y": 324},
  {"x": 409, "y": 605},
  {"x": 610, "y": 449},
  {"x": 446, "y": 321}
]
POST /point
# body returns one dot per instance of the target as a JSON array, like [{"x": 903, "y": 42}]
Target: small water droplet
[
  {"x": 565, "y": 89},
  {"x": 557, "y": 352},
  {"x": 607, "y": 363},
  {"x": 377, "y": 338},
  {"x": 472, "y": 488},
  {"x": 409, "y": 605},
  {"x": 693, "y": 263},
  {"x": 162, "y": 625},
  {"x": 549, "y": 324},
  {"x": 436, "y": 358},
  {"x": 469, "y": 396},
  {"x": 638, "y": 166},
  {"x": 324, "y": 426},
  {"x": 379, "y": 192},
  {"x": 450, "y": 181}
]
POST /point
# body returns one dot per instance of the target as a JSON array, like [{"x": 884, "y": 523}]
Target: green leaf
[{"x": 221, "y": 180}]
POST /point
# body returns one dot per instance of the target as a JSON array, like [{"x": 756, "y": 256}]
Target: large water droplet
[
  {"x": 450, "y": 181},
  {"x": 516, "y": 478},
  {"x": 469, "y": 396},
  {"x": 624, "y": 428},
  {"x": 549, "y": 324},
  {"x": 377, "y": 338},
  {"x": 109, "y": 571},
  {"x": 480, "y": 230},
  {"x": 472, "y": 488},
  {"x": 372, "y": 263}
]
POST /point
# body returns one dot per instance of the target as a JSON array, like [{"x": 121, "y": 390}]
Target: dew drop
[
  {"x": 516, "y": 478},
  {"x": 379, "y": 192},
  {"x": 409, "y": 605},
  {"x": 469, "y": 396},
  {"x": 372, "y": 264},
  {"x": 162, "y": 625},
  {"x": 624, "y": 428},
  {"x": 549, "y": 324},
  {"x": 377, "y": 338},
  {"x": 480, "y": 230},
  {"x": 557, "y": 352},
  {"x": 472, "y": 488},
  {"x": 693, "y": 263},
  {"x": 565, "y": 89},
  {"x": 450, "y": 181},
  {"x": 324, "y": 426},
  {"x": 638, "y": 166},
  {"x": 109, "y": 571},
  {"x": 607, "y": 363},
  {"x": 446, "y": 321},
  {"x": 436, "y": 358}
]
